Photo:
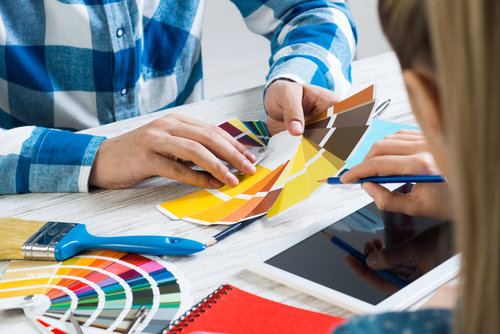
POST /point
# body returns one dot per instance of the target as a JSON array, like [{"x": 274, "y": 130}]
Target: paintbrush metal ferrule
[{"x": 42, "y": 244}]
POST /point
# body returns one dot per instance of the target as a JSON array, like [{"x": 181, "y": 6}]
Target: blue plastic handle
[{"x": 78, "y": 240}]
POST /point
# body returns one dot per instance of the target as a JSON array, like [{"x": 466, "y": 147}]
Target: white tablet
[{"x": 325, "y": 259}]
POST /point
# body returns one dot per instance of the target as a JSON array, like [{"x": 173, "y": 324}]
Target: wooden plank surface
[{"x": 132, "y": 211}]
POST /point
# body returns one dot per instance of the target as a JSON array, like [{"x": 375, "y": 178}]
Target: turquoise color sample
[{"x": 378, "y": 130}]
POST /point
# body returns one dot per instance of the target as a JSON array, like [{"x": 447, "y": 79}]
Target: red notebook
[{"x": 234, "y": 311}]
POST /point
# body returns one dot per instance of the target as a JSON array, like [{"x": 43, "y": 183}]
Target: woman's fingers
[
  {"x": 392, "y": 165},
  {"x": 396, "y": 147}
]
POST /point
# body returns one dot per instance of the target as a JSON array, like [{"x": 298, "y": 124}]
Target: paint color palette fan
[
  {"x": 103, "y": 289},
  {"x": 242, "y": 133},
  {"x": 290, "y": 173},
  {"x": 259, "y": 129}
]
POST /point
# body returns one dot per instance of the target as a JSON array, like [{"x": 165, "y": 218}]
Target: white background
[{"x": 234, "y": 58}]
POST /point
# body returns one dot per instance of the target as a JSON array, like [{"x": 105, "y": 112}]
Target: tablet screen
[{"x": 334, "y": 257}]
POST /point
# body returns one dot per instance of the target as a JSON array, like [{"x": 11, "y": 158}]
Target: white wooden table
[{"x": 132, "y": 211}]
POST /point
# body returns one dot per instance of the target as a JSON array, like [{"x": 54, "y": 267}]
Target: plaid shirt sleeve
[
  {"x": 35, "y": 159},
  {"x": 311, "y": 41},
  {"x": 80, "y": 64}
]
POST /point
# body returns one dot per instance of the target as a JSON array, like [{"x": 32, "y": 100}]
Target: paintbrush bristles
[{"x": 13, "y": 234}]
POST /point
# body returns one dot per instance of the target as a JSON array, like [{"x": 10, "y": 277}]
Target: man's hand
[
  {"x": 155, "y": 148},
  {"x": 404, "y": 153},
  {"x": 290, "y": 104}
]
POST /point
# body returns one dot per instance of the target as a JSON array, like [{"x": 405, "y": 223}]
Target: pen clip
[
  {"x": 138, "y": 318},
  {"x": 381, "y": 108},
  {"x": 75, "y": 323}
]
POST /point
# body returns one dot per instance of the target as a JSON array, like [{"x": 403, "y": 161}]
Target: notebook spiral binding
[{"x": 183, "y": 321}]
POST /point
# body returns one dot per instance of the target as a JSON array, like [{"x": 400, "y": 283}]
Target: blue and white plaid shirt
[{"x": 76, "y": 64}]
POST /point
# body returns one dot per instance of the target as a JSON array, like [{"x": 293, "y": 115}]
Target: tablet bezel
[{"x": 399, "y": 301}]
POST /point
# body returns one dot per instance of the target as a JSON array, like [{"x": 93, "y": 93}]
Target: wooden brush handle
[{"x": 13, "y": 234}]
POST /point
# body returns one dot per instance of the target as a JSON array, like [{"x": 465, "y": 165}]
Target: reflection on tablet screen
[{"x": 335, "y": 257}]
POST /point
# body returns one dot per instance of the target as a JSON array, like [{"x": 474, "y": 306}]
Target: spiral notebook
[{"x": 234, "y": 311}]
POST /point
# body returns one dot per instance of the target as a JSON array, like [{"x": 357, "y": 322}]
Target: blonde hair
[
  {"x": 405, "y": 24},
  {"x": 466, "y": 43},
  {"x": 465, "y": 40}
]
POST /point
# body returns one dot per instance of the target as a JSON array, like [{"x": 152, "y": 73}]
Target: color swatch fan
[
  {"x": 103, "y": 289},
  {"x": 290, "y": 173}
]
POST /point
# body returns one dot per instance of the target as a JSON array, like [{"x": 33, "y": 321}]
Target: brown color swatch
[
  {"x": 335, "y": 161},
  {"x": 316, "y": 135},
  {"x": 246, "y": 208},
  {"x": 364, "y": 96},
  {"x": 265, "y": 204},
  {"x": 359, "y": 98},
  {"x": 358, "y": 116},
  {"x": 319, "y": 117},
  {"x": 344, "y": 140},
  {"x": 323, "y": 124}
]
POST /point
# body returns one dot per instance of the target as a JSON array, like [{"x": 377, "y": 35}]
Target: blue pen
[
  {"x": 358, "y": 255},
  {"x": 392, "y": 179}
]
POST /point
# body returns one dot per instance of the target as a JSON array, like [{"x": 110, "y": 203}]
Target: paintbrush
[{"x": 35, "y": 240}]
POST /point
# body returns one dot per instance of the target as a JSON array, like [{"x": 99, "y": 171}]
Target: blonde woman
[{"x": 448, "y": 50}]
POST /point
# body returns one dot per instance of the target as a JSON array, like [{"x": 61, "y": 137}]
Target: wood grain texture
[
  {"x": 132, "y": 211},
  {"x": 13, "y": 234}
]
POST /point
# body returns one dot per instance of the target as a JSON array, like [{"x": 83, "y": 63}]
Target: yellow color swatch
[
  {"x": 280, "y": 183},
  {"x": 246, "y": 181},
  {"x": 94, "y": 252},
  {"x": 85, "y": 261},
  {"x": 333, "y": 159},
  {"x": 24, "y": 282},
  {"x": 317, "y": 166},
  {"x": 63, "y": 271},
  {"x": 20, "y": 293},
  {"x": 207, "y": 198},
  {"x": 40, "y": 272},
  {"x": 190, "y": 204},
  {"x": 296, "y": 188},
  {"x": 71, "y": 261},
  {"x": 55, "y": 281},
  {"x": 216, "y": 213},
  {"x": 17, "y": 265}
]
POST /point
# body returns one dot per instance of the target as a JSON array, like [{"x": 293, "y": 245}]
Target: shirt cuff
[
  {"x": 301, "y": 69},
  {"x": 61, "y": 161}
]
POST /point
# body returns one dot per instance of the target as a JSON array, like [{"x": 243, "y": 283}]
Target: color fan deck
[
  {"x": 290, "y": 173},
  {"x": 103, "y": 289}
]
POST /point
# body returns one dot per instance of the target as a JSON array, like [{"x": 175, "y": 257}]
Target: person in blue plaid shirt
[{"x": 68, "y": 65}]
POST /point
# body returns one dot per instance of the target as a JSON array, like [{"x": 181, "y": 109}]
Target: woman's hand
[
  {"x": 404, "y": 153},
  {"x": 155, "y": 149},
  {"x": 410, "y": 259},
  {"x": 445, "y": 297}
]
